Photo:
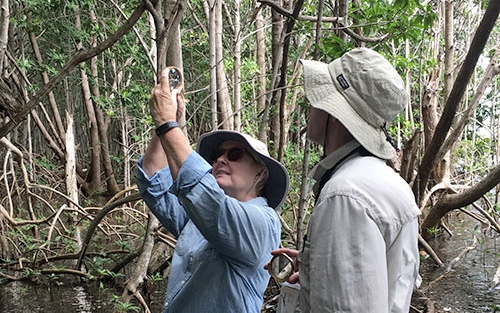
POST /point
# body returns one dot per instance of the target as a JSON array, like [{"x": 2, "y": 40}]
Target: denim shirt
[{"x": 222, "y": 243}]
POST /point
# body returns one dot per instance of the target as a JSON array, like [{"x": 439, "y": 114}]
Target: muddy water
[{"x": 466, "y": 289}]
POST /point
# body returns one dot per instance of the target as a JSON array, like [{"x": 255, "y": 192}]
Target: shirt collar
[{"x": 332, "y": 159}]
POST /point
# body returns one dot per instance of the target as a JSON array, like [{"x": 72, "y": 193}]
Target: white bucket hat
[
  {"x": 363, "y": 91},
  {"x": 276, "y": 187}
]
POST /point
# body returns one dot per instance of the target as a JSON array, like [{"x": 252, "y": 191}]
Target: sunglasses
[{"x": 233, "y": 154}]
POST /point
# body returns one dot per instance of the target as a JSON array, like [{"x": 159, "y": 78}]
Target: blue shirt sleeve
[{"x": 164, "y": 205}]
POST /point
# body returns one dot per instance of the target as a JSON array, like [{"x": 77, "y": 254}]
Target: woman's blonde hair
[{"x": 263, "y": 174}]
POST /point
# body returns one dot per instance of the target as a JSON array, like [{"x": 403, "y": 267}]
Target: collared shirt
[
  {"x": 361, "y": 251},
  {"x": 222, "y": 243}
]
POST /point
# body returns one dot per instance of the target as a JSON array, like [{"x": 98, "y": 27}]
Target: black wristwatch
[{"x": 163, "y": 128}]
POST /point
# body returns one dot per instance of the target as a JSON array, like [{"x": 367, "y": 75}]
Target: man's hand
[{"x": 292, "y": 253}]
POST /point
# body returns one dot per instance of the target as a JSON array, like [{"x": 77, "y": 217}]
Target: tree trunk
[
  {"x": 210, "y": 8},
  {"x": 223, "y": 98},
  {"x": 93, "y": 179},
  {"x": 237, "y": 66},
  {"x": 4, "y": 31},
  {"x": 342, "y": 7},
  {"x": 284, "y": 106},
  {"x": 429, "y": 110},
  {"x": 71, "y": 181},
  {"x": 443, "y": 171},
  {"x": 101, "y": 121},
  {"x": 269, "y": 118},
  {"x": 261, "y": 63},
  {"x": 59, "y": 132}
]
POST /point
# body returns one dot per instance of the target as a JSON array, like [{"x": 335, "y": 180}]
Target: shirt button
[
  {"x": 191, "y": 259},
  {"x": 183, "y": 282}
]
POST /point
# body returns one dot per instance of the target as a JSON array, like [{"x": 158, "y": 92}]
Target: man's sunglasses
[{"x": 233, "y": 154}]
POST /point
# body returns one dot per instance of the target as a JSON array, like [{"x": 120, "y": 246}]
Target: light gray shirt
[{"x": 361, "y": 252}]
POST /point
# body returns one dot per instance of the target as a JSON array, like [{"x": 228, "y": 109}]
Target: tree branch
[
  {"x": 449, "y": 202},
  {"x": 289, "y": 14}
]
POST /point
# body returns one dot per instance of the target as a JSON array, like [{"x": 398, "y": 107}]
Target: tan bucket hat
[
  {"x": 363, "y": 91},
  {"x": 276, "y": 188}
]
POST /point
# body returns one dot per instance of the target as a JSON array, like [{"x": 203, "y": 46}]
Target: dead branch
[
  {"x": 490, "y": 219},
  {"x": 474, "y": 216},
  {"x": 167, "y": 239},
  {"x": 443, "y": 225},
  {"x": 8, "y": 277},
  {"x": 48, "y": 272},
  {"x": 142, "y": 302},
  {"x": 66, "y": 271},
  {"x": 414, "y": 309},
  {"x": 429, "y": 250},
  {"x": 461, "y": 255},
  {"x": 14, "y": 222}
]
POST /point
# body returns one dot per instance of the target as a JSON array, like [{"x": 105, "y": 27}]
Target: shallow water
[
  {"x": 22, "y": 297},
  {"x": 467, "y": 288}
]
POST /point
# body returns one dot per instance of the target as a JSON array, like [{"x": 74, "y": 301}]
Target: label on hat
[{"x": 343, "y": 82}]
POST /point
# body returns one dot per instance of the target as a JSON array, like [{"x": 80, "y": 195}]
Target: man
[
  {"x": 360, "y": 253},
  {"x": 219, "y": 202}
]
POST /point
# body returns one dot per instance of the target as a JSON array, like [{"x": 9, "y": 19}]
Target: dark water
[
  {"x": 22, "y": 297},
  {"x": 466, "y": 289}
]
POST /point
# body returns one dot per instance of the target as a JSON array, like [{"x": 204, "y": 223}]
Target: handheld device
[
  {"x": 281, "y": 267},
  {"x": 175, "y": 79}
]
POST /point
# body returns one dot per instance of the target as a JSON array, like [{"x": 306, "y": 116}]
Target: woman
[{"x": 220, "y": 203}]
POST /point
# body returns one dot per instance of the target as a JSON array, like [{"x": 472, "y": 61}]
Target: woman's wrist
[{"x": 166, "y": 127}]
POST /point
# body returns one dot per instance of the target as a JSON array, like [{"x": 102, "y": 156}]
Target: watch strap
[{"x": 163, "y": 128}]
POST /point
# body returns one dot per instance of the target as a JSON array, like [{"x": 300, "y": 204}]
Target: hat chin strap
[
  {"x": 388, "y": 137},
  {"x": 325, "y": 136}
]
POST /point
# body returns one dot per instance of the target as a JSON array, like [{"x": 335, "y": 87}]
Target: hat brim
[
  {"x": 276, "y": 188},
  {"x": 322, "y": 93}
]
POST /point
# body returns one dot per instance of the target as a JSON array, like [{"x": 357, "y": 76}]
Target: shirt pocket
[
  {"x": 209, "y": 253},
  {"x": 183, "y": 244}
]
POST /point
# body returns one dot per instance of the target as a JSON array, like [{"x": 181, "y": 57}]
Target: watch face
[{"x": 174, "y": 78}]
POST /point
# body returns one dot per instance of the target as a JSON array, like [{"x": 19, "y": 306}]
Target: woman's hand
[{"x": 165, "y": 105}]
